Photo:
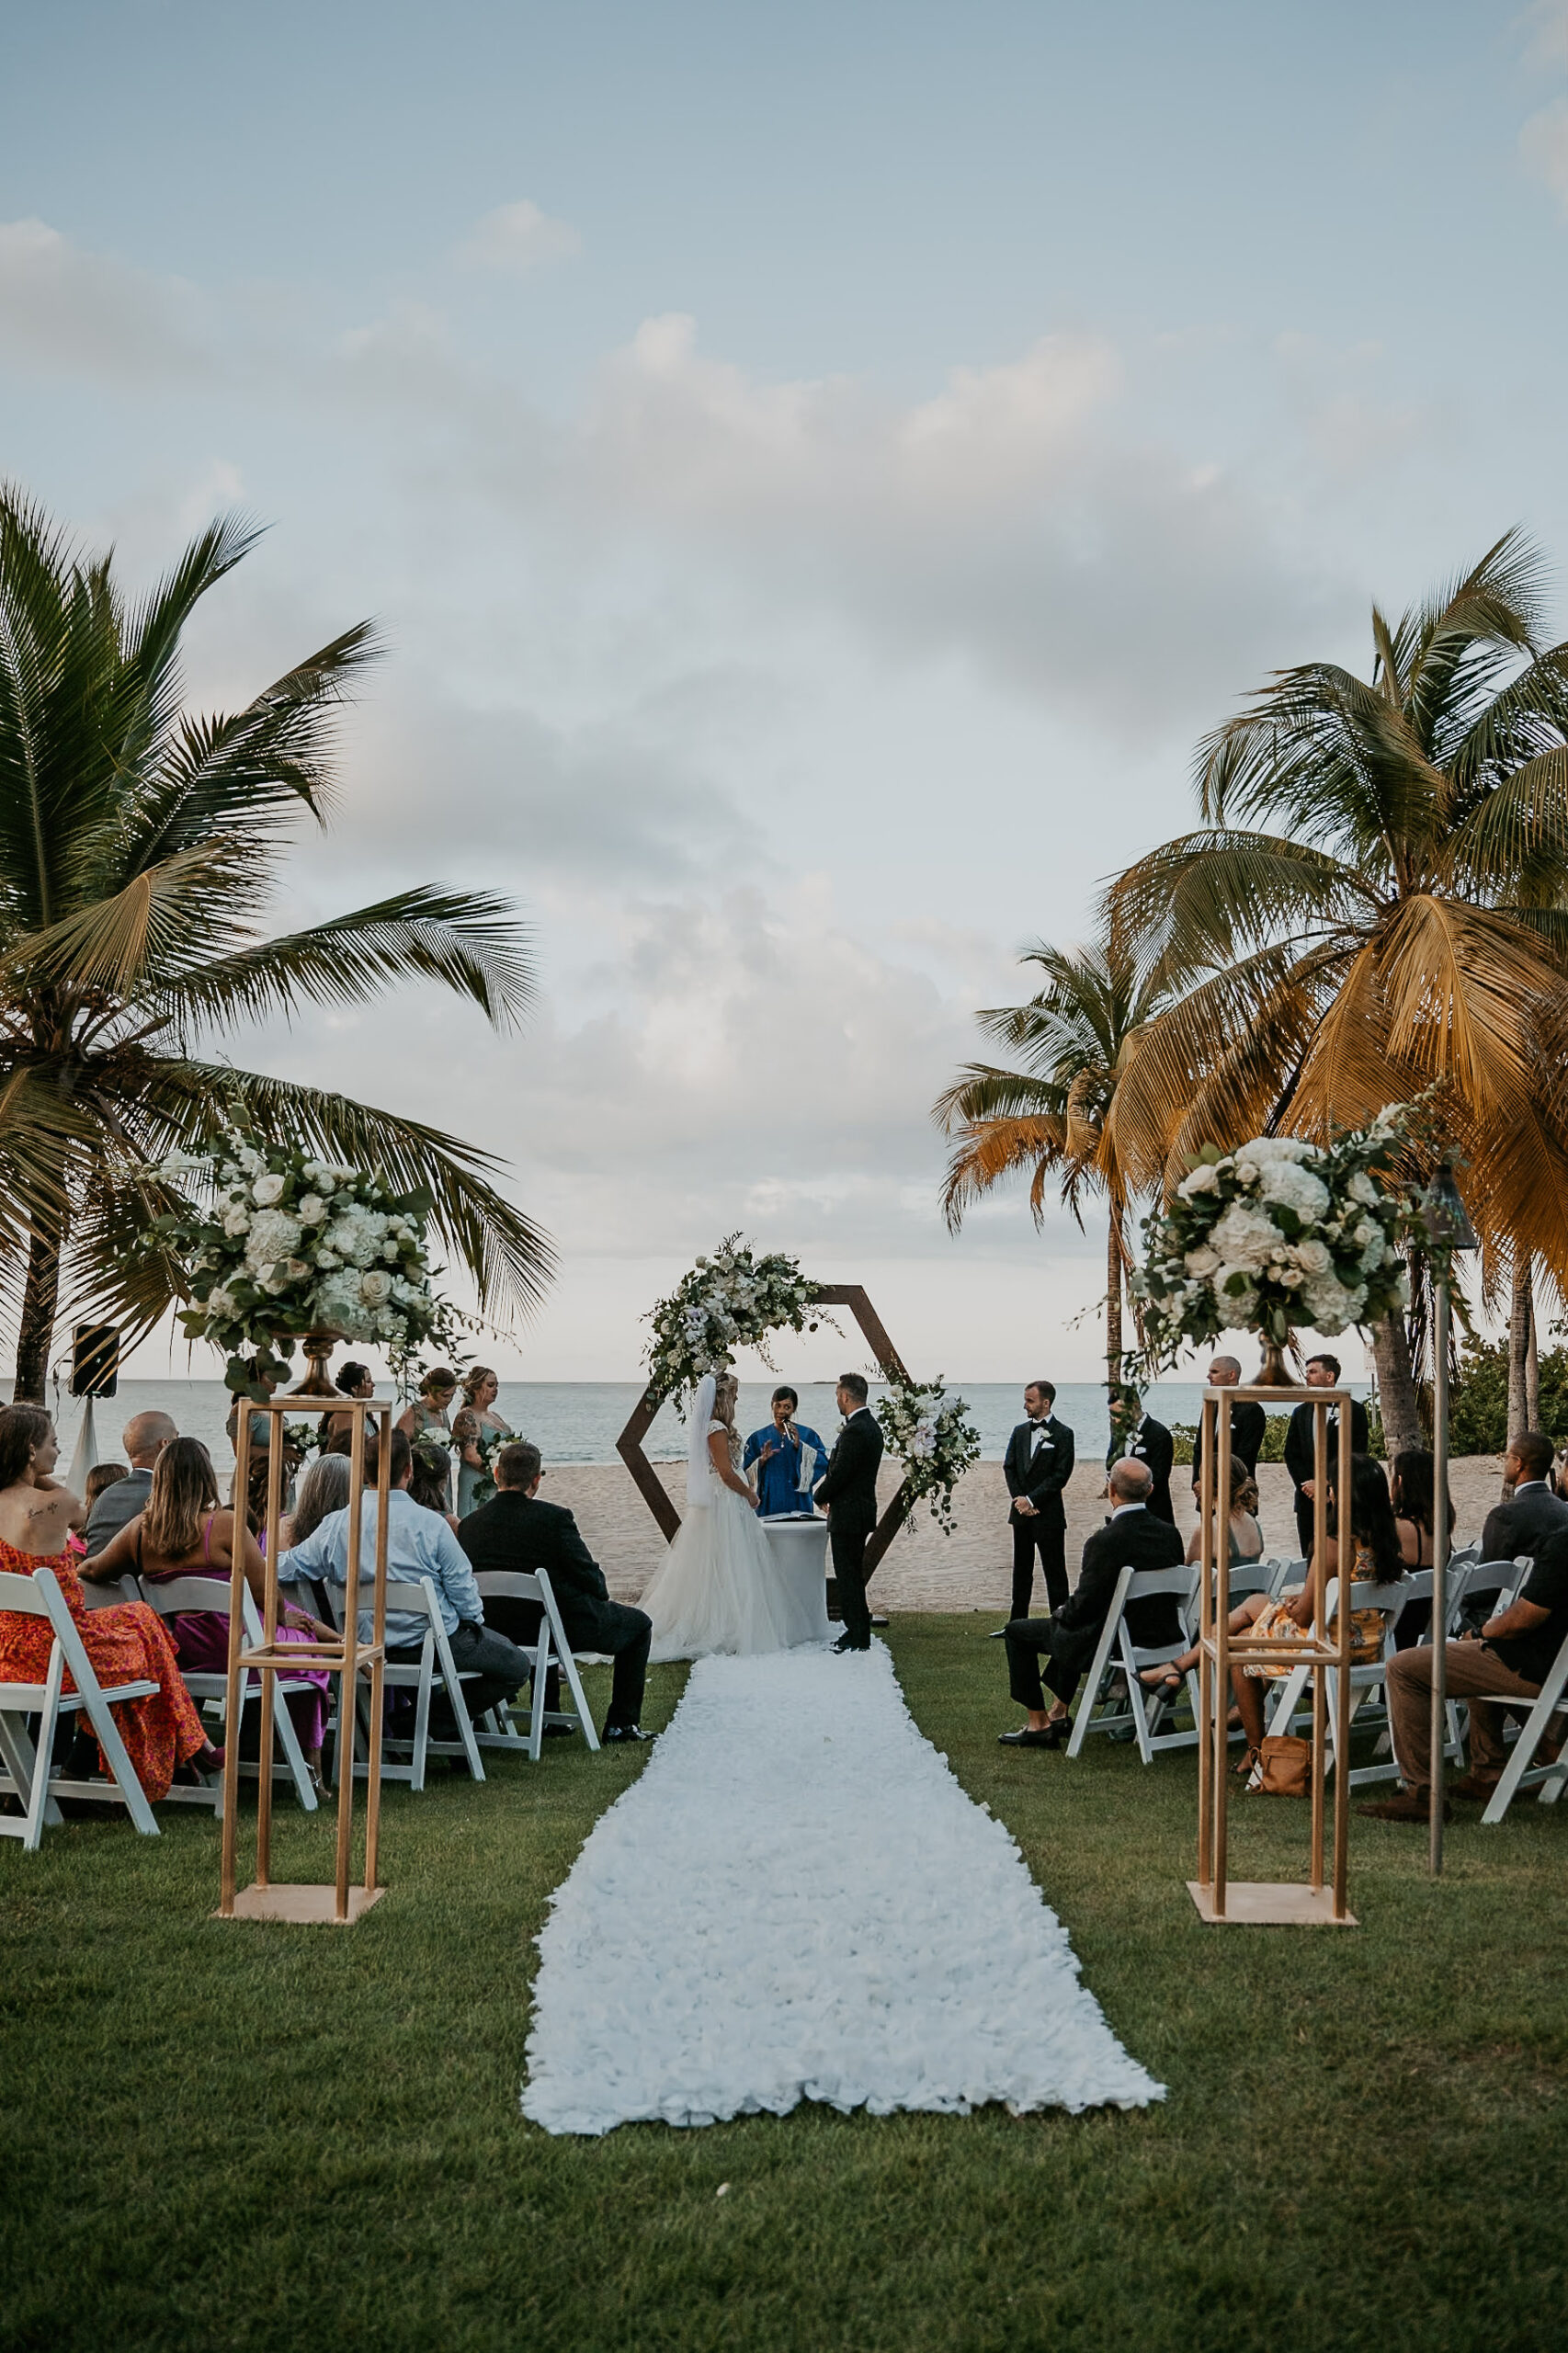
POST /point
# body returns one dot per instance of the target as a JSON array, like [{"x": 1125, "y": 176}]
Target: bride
[{"x": 715, "y": 1591}]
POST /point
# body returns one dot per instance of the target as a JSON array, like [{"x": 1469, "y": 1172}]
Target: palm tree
[
  {"x": 138, "y": 842},
  {"x": 1052, "y": 1116},
  {"x": 1378, "y": 901}
]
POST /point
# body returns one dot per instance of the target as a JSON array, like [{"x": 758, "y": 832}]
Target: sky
[{"x": 817, "y": 471}]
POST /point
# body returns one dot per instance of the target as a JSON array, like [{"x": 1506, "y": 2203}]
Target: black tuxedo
[
  {"x": 517, "y": 1532},
  {"x": 1301, "y": 1459},
  {"x": 1249, "y": 1427},
  {"x": 1039, "y": 1472},
  {"x": 1153, "y": 1446},
  {"x": 848, "y": 1489},
  {"x": 1070, "y": 1636}
]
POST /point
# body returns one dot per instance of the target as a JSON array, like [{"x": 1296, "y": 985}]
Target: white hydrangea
[
  {"x": 1330, "y": 1304},
  {"x": 273, "y": 1234},
  {"x": 1246, "y": 1237},
  {"x": 1236, "y": 1308},
  {"x": 268, "y": 1190},
  {"x": 1295, "y": 1188}
]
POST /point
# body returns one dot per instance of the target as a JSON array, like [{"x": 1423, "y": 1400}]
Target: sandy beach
[{"x": 926, "y": 1570}]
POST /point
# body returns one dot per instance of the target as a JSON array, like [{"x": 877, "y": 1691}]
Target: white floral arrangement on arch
[
  {"x": 734, "y": 1299},
  {"x": 933, "y": 1437},
  {"x": 290, "y": 1244},
  {"x": 1277, "y": 1237}
]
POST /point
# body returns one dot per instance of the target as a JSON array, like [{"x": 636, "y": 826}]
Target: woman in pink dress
[{"x": 125, "y": 1645}]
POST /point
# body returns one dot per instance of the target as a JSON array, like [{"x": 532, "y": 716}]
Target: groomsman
[
  {"x": 1037, "y": 1465},
  {"x": 1249, "y": 1422},
  {"x": 1301, "y": 1453},
  {"x": 1137, "y": 1437}
]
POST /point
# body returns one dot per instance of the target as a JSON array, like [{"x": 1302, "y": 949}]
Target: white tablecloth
[{"x": 800, "y": 1555}]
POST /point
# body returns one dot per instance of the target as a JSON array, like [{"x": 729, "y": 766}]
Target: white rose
[
  {"x": 1361, "y": 1188},
  {"x": 311, "y": 1210},
  {"x": 375, "y": 1287},
  {"x": 266, "y": 1191},
  {"x": 220, "y": 1302},
  {"x": 1205, "y": 1178},
  {"x": 1202, "y": 1261},
  {"x": 326, "y": 1258},
  {"x": 389, "y": 1250},
  {"x": 237, "y": 1219},
  {"x": 1314, "y": 1257}
]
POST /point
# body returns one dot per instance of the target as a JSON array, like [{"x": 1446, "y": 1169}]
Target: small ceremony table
[{"x": 798, "y": 1543}]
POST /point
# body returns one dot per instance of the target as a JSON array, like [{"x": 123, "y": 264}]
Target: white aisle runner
[{"x": 797, "y": 1901}]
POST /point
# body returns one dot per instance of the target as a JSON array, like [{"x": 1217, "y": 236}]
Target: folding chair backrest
[
  {"x": 101, "y": 1594},
  {"x": 508, "y": 1584},
  {"x": 1147, "y": 1582},
  {"x": 20, "y": 1595},
  {"x": 172, "y": 1597}
]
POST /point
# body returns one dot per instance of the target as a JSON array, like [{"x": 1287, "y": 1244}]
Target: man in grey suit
[{"x": 143, "y": 1437}]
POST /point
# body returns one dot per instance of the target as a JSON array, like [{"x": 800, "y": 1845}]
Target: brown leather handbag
[{"x": 1285, "y": 1765}]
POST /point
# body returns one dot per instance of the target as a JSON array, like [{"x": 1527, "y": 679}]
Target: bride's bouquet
[
  {"x": 935, "y": 1439},
  {"x": 1279, "y": 1235}
]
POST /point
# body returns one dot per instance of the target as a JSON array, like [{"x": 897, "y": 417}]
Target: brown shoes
[
  {"x": 1411, "y": 1805},
  {"x": 1473, "y": 1786}
]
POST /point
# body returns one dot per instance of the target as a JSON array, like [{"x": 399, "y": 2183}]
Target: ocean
[{"x": 579, "y": 1421}]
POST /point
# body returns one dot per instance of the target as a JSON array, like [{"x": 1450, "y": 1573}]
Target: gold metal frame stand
[
  {"x": 1322, "y": 1901},
  {"x": 337, "y": 1903}
]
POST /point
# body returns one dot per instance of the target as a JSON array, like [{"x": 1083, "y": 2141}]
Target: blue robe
[{"x": 778, "y": 1479}]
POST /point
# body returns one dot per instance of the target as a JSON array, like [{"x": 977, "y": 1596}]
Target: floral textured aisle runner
[{"x": 797, "y": 1901}]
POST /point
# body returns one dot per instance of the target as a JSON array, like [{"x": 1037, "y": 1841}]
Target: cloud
[
  {"x": 517, "y": 238},
  {"x": 62, "y": 307},
  {"x": 1543, "y": 146}
]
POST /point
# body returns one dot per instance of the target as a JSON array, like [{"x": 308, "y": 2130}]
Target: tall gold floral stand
[
  {"x": 347, "y": 1658},
  {"x": 1321, "y": 1901}
]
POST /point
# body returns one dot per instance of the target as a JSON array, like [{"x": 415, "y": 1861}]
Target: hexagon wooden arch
[{"x": 629, "y": 1445}]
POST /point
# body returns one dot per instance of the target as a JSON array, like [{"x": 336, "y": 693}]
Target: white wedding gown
[{"x": 717, "y": 1589}]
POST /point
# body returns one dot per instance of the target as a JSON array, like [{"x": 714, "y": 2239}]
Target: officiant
[{"x": 790, "y": 1460}]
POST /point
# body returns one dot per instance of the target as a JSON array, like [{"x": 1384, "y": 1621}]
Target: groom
[{"x": 848, "y": 1494}]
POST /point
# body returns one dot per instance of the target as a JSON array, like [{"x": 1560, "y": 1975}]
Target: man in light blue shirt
[{"x": 420, "y": 1544}]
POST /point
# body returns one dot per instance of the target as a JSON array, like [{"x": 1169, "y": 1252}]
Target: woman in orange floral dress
[{"x": 126, "y": 1644}]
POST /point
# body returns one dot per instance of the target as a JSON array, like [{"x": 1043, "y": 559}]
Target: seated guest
[
  {"x": 1137, "y": 1437},
  {"x": 143, "y": 1437},
  {"x": 1373, "y": 1558},
  {"x": 1244, "y": 1535},
  {"x": 1413, "y": 1496},
  {"x": 323, "y": 1488},
  {"x": 789, "y": 1458},
  {"x": 102, "y": 1475},
  {"x": 1132, "y": 1536},
  {"x": 430, "y": 1480},
  {"x": 420, "y": 1544},
  {"x": 1508, "y": 1659},
  {"x": 516, "y": 1531},
  {"x": 185, "y": 1532},
  {"x": 1517, "y": 1529}
]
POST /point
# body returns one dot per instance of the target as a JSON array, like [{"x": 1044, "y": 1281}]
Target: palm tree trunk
[
  {"x": 35, "y": 1333},
  {"x": 1113, "y": 1307},
  {"x": 1396, "y": 1386},
  {"x": 1521, "y": 1327}
]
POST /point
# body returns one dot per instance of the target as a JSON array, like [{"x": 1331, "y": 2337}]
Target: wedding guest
[
  {"x": 126, "y": 1643},
  {"x": 351, "y": 1379},
  {"x": 1509, "y": 1658},
  {"x": 517, "y": 1531},
  {"x": 1516, "y": 1529},
  {"x": 184, "y": 1531},
  {"x": 1037, "y": 1465},
  {"x": 1300, "y": 1458},
  {"x": 1373, "y": 1558},
  {"x": 1249, "y": 1422},
  {"x": 260, "y": 1424},
  {"x": 1244, "y": 1535},
  {"x": 478, "y": 1420},
  {"x": 847, "y": 1491},
  {"x": 324, "y": 1489},
  {"x": 1137, "y": 1437},
  {"x": 1133, "y": 1536},
  {"x": 789, "y": 1458},
  {"x": 420, "y": 1544},
  {"x": 431, "y": 1479},
  {"x": 143, "y": 1437},
  {"x": 102, "y": 1475}
]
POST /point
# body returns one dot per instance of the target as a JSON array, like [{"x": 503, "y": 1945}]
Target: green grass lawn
[{"x": 234, "y": 2136}]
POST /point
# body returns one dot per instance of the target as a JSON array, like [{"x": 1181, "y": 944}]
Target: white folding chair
[
  {"x": 172, "y": 1595},
  {"x": 1521, "y": 1771},
  {"x": 1117, "y": 1653},
  {"x": 101, "y": 1594},
  {"x": 1392, "y": 1599},
  {"x": 28, "y": 1776},
  {"x": 516, "y": 1585},
  {"x": 436, "y": 1670}
]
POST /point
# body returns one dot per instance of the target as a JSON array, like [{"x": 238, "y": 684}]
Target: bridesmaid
[
  {"x": 127, "y": 1644},
  {"x": 480, "y": 1390},
  {"x": 431, "y": 1410}
]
